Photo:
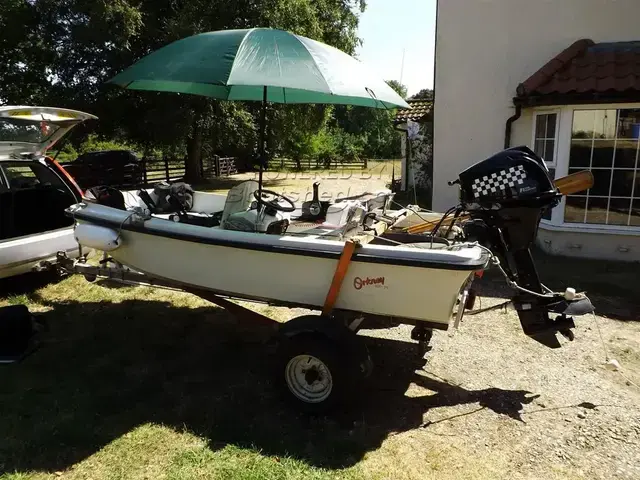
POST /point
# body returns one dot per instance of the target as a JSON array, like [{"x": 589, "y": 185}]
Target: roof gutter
[{"x": 507, "y": 127}]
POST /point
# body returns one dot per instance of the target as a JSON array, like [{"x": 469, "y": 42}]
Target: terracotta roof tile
[
  {"x": 553, "y": 66},
  {"x": 420, "y": 110},
  {"x": 587, "y": 69}
]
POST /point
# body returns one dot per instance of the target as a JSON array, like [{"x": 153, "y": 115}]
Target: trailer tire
[{"x": 317, "y": 373}]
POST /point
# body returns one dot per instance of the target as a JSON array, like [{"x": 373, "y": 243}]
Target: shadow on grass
[
  {"x": 27, "y": 283},
  {"x": 105, "y": 368}
]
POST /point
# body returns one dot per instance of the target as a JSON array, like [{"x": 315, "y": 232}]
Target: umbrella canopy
[{"x": 259, "y": 64}]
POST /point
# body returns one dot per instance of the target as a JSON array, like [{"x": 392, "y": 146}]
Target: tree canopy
[
  {"x": 61, "y": 52},
  {"x": 424, "y": 94}
]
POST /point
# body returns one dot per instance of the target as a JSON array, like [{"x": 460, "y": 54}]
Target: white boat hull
[{"x": 402, "y": 282}]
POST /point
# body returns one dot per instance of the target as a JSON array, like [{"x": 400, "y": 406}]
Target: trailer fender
[
  {"x": 317, "y": 324},
  {"x": 331, "y": 328}
]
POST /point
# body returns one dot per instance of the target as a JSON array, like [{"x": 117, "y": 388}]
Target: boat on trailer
[{"x": 357, "y": 261}]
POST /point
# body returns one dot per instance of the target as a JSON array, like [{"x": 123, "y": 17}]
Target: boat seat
[{"x": 239, "y": 199}]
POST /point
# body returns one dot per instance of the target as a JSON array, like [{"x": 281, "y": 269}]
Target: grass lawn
[{"x": 134, "y": 382}]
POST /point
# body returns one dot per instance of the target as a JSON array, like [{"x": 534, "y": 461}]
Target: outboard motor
[{"x": 506, "y": 196}]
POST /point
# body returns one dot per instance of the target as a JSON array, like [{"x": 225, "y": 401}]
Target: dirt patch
[{"x": 334, "y": 184}]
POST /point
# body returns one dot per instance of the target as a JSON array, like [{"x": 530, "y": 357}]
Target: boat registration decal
[{"x": 377, "y": 282}]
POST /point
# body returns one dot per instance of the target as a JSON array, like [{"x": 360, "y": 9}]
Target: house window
[
  {"x": 544, "y": 136},
  {"x": 606, "y": 141},
  {"x": 544, "y": 143}
]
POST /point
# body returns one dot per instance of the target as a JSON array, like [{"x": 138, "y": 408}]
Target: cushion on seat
[{"x": 239, "y": 199}]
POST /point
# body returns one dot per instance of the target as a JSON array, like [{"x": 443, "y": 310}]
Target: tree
[
  {"x": 61, "y": 52},
  {"x": 374, "y": 125},
  {"x": 399, "y": 88},
  {"x": 424, "y": 94}
]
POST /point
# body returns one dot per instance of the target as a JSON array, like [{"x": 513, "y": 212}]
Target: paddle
[{"x": 574, "y": 183}]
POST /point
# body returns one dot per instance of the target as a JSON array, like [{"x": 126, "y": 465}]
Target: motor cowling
[
  {"x": 511, "y": 178},
  {"x": 510, "y": 191}
]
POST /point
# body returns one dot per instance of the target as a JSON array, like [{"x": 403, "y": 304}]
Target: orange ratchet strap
[{"x": 338, "y": 276}]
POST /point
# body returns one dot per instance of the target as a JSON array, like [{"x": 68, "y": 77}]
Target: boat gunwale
[{"x": 359, "y": 256}]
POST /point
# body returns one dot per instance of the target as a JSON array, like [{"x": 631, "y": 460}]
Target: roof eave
[{"x": 574, "y": 98}]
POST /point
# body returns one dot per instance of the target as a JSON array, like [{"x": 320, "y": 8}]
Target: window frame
[
  {"x": 547, "y": 111},
  {"x": 33, "y": 165},
  {"x": 564, "y": 127}
]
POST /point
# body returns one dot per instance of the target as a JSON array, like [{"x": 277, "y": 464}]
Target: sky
[{"x": 389, "y": 26}]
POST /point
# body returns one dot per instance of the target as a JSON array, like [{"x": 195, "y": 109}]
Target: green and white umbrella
[{"x": 260, "y": 64}]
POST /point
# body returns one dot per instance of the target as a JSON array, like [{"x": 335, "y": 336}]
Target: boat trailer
[{"x": 320, "y": 360}]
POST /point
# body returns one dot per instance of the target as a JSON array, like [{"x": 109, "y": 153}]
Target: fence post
[
  {"x": 216, "y": 165},
  {"x": 365, "y": 162},
  {"x": 166, "y": 167}
]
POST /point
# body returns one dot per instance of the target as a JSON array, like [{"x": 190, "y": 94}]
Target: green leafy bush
[
  {"x": 67, "y": 154},
  {"x": 95, "y": 144}
]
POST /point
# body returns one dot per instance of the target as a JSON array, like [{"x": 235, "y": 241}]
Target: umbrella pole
[{"x": 263, "y": 127}]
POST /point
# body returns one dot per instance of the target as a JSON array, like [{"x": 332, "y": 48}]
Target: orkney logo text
[{"x": 358, "y": 282}]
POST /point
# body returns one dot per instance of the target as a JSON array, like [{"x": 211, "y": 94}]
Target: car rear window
[{"x": 29, "y": 175}]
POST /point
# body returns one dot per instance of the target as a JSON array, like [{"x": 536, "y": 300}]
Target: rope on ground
[
  {"x": 611, "y": 363},
  {"x": 487, "y": 309}
]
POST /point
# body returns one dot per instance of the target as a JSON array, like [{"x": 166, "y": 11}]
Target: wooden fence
[
  {"x": 158, "y": 169},
  {"x": 148, "y": 171},
  {"x": 314, "y": 164},
  {"x": 217, "y": 166},
  {"x": 152, "y": 170}
]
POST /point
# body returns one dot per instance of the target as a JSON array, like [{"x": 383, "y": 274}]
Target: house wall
[
  {"x": 484, "y": 49},
  {"x": 604, "y": 246}
]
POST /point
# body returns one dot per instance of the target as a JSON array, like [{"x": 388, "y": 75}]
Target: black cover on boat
[
  {"x": 174, "y": 197},
  {"x": 108, "y": 196}
]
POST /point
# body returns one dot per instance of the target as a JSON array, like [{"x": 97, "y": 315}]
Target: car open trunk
[
  {"x": 34, "y": 189},
  {"x": 36, "y": 207}
]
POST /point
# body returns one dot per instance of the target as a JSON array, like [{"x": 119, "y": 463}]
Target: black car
[{"x": 116, "y": 168}]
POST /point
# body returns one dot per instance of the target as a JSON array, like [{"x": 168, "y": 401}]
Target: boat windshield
[{"x": 26, "y": 130}]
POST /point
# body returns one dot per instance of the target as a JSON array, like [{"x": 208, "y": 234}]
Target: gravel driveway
[{"x": 489, "y": 402}]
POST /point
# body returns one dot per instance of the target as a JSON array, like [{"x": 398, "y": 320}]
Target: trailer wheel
[{"x": 317, "y": 373}]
